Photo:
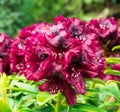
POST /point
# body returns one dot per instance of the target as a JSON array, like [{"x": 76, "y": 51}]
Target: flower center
[
  {"x": 104, "y": 26},
  {"x": 58, "y": 55},
  {"x": 42, "y": 55},
  {"x": 77, "y": 60},
  {"x": 61, "y": 44},
  {"x": 76, "y": 31}
]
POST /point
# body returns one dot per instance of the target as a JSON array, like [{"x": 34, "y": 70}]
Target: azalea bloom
[
  {"x": 5, "y": 43},
  {"x": 102, "y": 27},
  {"x": 62, "y": 55},
  {"x": 107, "y": 31}
]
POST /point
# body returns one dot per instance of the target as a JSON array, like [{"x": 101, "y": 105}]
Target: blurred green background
[{"x": 16, "y": 14}]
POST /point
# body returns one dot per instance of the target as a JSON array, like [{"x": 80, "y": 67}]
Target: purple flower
[
  {"x": 118, "y": 32},
  {"x": 107, "y": 26},
  {"x": 102, "y": 27},
  {"x": 110, "y": 41},
  {"x": 111, "y": 77},
  {"x": 62, "y": 55},
  {"x": 5, "y": 43},
  {"x": 56, "y": 84},
  {"x": 92, "y": 26},
  {"x": 74, "y": 26},
  {"x": 107, "y": 31},
  {"x": 43, "y": 58}
]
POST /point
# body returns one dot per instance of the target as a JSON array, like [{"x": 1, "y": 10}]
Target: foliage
[
  {"x": 22, "y": 96},
  {"x": 18, "y": 14}
]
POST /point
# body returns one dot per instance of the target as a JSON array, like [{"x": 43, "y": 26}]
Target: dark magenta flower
[
  {"x": 58, "y": 84},
  {"x": 111, "y": 77},
  {"x": 5, "y": 43},
  {"x": 102, "y": 27},
  {"x": 24, "y": 44},
  {"x": 107, "y": 31},
  {"x": 118, "y": 32},
  {"x": 110, "y": 41},
  {"x": 107, "y": 26},
  {"x": 74, "y": 26},
  {"x": 62, "y": 55}
]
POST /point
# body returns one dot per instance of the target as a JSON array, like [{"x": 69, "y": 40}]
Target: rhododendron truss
[{"x": 62, "y": 54}]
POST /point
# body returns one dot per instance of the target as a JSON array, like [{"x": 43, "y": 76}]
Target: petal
[
  {"x": 1, "y": 66},
  {"x": 107, "y": 26},
  {"x": 69, "y": 54},
  {"x": 52, "y": 85},
  {"x": 89, "y": 74},
  {"x": 75, "y": 26},
  {"x": 55, "y": 84},
  {"x": 69, "y": 93},
  {"x": 77, "y": 81},
  {"x": 36, "y": 71},
  {"x": 44, "y": 86},
  {"x": 59, "y": 19}
]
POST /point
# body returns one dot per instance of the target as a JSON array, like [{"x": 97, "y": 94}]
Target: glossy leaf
[
  {"x": 113, "y": 72},
  {"x": 27, "y": 87},
  {"x": 113, "y": 88},
  {"x": 113, "y": 60},
  {"x": 44, "y": 97},
  {"x": 116, "y": 48}
]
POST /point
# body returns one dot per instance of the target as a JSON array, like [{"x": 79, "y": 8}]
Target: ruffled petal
[
  {"x": 69, "y": 93},
  {"x": 56, "y": 85},
  {"x": 77, "y": 81}
]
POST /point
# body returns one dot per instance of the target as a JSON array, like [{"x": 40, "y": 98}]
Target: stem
[
  {"x": 57, "y": 106},
  {"x": 91, "y": 87},
  {"x": 3, "y": 84},
  {"x": 107, "y": 98},
  {"x": 51, "y": 105},
  {"x": 69, "y": 109},
  {"x": 118, "y": 109}
]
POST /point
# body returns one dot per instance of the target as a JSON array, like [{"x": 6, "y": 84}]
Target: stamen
[
  {"x": 57, "y": 55},
  {"x": 104, "y": 26}
]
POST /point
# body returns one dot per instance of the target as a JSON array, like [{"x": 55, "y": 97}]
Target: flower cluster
[
  {"x": 61, "y": 54},
  {"x": 109, "y": 36},
  {"x": 5, "y": 43}
]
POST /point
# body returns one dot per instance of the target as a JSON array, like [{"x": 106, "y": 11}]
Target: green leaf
[
  {"x": 4, "y": 107},
  {"x": 113, "y": 60},
  {"x": 44, "y": 97},
  {"x": 27, "y": 87},
  {"x": 3, "y": 85},
  {"x": 87, "y": 108},
  {"x": 116, "y": 48},
  {"x": 112, "y": 81},
  {"x": 97, "y": 80},
  {"x": 108, "y": 104},
  {"x": 69, "y": 109},
  {"x": 113, "y": 72},
  {"x": 113, "y": 88}
]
